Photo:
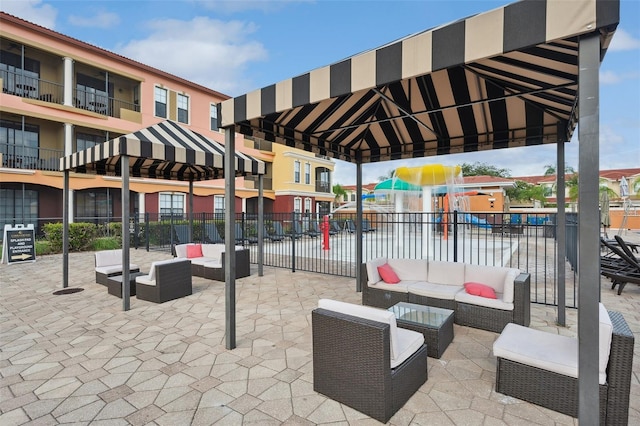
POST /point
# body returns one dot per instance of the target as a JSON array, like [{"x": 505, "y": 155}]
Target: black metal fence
[{"x": 299, "y": 241}]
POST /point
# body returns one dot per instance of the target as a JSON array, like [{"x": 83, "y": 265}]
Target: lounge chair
[
  {"x": 211, "y": 234},
  {"x": 241, "y": 237},
  {"x": 314, "y": 229},
  {"x": 334, "y": 227},
  {"x": 620, "y": 270},
  {"x": 366, "y": 226},
  {"x": 349, "y": 226},
  {"x": 182, "y": 234},
  {"x": 271, "y": 236}
]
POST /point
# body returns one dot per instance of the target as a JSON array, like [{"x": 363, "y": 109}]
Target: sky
[{"x": 235, "y": 47}]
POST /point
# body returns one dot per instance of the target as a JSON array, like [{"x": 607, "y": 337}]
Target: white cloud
[
  {"x": 101, "y": 19},
  {"x": 207, "y": 51},
  {"x": 609, "y": 77},
  {"x": 622, "y": 40},
  {"x": 32, "y": 11}
]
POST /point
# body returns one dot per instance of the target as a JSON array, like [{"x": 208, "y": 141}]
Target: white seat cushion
[
  {"x": 403, "y": 342},
  {"x": 108, "y": 257},
  {"x": 401, "y": 287},
  {"x": 442, "y": 272},
  {"x": 216, "y": 264},
  {"x": 202, "y": 260},
  {"x": 438, "y": 291},
  {"x": 409, "y": 269},
  {"x": 115, "y": 269},
  {"x": 181, "y": 250},
  {"x": 144, "y": 279},
  {"x": 372, "y": 269},
  {"x": 550, "y": 351},
  {"x": 464, "y": 297},
  {"x": 212, "y": 251}
]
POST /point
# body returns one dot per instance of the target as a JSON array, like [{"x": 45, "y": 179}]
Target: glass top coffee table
[{"x": 435, "y": 324}]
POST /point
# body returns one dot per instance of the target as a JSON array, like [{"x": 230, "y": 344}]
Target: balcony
[
  {"x": 323, "y": 186},
  {"x": 267, "y": 183},
  {"x": 27, "y": 158}
]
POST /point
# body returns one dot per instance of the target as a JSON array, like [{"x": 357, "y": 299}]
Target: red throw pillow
[
  {"x": 387, "y": 274},
  {"x": 194, "y": 250},
  {"x": 482, "y": 290}
]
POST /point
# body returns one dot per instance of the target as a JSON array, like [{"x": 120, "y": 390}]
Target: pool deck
[{"x": 79, "y": 359}]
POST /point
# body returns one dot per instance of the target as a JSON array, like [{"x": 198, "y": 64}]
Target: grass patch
[{"x": 105, "y": 243}]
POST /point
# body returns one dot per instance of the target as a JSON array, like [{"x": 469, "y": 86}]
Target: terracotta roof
[{"x": 612, "y": 174}]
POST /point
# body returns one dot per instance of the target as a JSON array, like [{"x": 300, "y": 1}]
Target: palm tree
[{"x": 339, "y": 194}]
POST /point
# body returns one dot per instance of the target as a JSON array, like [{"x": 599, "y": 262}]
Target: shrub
[{"x": 81, "y": 236}]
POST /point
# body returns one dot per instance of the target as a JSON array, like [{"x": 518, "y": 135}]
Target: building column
[
  {"x": 142, "y": 208},
  {"x": 68, "y": 81}
]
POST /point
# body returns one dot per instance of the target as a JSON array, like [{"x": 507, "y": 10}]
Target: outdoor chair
[
  {"x": 211, "y": 234},
  {"x": 334, "y": 227},
  {"x": 271, "y": 236},
  {"x": 278, "y": 231},
  {"x": 363, "y": 360},
  {"x": 109, "y": 263},
  {"x": 241, "y": 237},
  {"x": 181, "y": 233},
  {"x": 366, "y": 226},
  {"x": 314, "y": 229},
  {"x": 167, "y": 280},
  {"x": 349, "y": 226},
  {"x": 551, "y": 380},
  {"x": 620, "y": 268},
  {"x": 296, "y": 230}
]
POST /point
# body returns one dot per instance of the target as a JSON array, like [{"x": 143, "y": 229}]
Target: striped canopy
[
  {"x": 163, "y": 151},
  {"x": 504, "y": 78}
]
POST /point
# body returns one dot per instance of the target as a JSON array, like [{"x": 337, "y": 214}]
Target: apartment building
[{"x": 61, "y": 95}]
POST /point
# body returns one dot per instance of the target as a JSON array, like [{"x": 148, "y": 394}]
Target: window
[
  {"x": 218, "y": 203},
  {"x": 15, "y": 79},
  {"x": 93, "y": 205},
  {"x": 19, "y": 147},
  {"x": 183, "y": 108},
  {"x": 214, "y": 117},
  {"x": 296, "y": 171},
  {"x": 297, "y": 205},
  {"x": 18, "y": 206},
  {"x": 171, "y": 205},
  {"x": 307, "y": 205},
  {"x": 307, "y": 173},
  {"x": 86, "y": 141},
  {"x": 160, "y": 96},
  {"x": 353, "y": 197}
]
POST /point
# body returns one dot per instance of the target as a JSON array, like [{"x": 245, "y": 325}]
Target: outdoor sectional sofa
[
  {"x": 441, "y": 284},
  {"x": 109, "y": 263},
  {"x": 207, "y": 260}
]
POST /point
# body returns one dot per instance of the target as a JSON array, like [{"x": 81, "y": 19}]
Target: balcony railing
[
  {"x": 25, "y": 86},
  {"x": 27, "y": 158},
  {"x": 267, "y": 183},
  {"x": 323, "y": 186}
]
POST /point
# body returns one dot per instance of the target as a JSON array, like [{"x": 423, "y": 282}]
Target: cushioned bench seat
[{"x": 109, "y": 263}]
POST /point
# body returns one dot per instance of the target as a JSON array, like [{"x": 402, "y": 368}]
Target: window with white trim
[
  {"x": 296, "y": 171},
  {"x": 171, "y": 205},
  {"x": 307, "y": 173},
  {"x": 183, "y": 109},
  {"x": 307, "y": 205},
  {"x": 297, "y": 205},
  {"x": 160, "y": 97},
  {"x": 218, "y": 203},
  {"x": 214, "y": 117}
]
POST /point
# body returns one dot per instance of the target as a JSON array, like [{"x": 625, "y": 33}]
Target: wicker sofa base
[
  {"x": 560, "y": 393},
  {"x": 173, "y": 281}
]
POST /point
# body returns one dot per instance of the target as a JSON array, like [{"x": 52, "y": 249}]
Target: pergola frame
[{"x": 520, "y": 75}]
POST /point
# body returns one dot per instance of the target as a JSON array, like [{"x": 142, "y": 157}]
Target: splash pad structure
[{"x": 427, "y": 177}]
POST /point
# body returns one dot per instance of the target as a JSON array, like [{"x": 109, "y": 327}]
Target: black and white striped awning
[
  {"x": 504, "y": 78},
  {"x": 163, "y": 151}
]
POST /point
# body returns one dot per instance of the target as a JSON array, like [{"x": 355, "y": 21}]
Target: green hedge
[{"x": 81, "y": 236}]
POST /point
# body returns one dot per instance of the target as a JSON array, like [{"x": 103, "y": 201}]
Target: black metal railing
[
  {"x": 27, "y": 158},
  {"x": 297, "y": 241},
  {"x": 100, "y": 103},
  {"x": 323, "y": 186},
  {"x": 28, "y": 86}
]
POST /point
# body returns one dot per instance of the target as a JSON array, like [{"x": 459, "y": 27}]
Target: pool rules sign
[{"x": 18, "y": 244}]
